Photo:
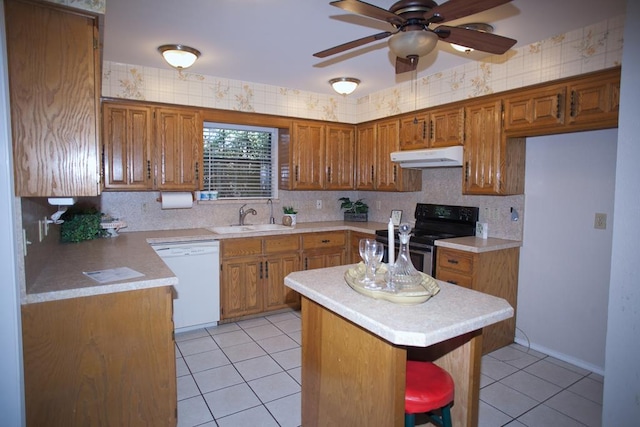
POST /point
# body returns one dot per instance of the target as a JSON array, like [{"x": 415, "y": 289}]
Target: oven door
[{"x": 422, "y": 258}]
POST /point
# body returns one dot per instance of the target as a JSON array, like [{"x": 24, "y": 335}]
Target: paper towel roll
[{"x": 176, "y": 200}]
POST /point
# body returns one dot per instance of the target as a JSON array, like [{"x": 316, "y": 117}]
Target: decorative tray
[{"x": 415, "y": 295}]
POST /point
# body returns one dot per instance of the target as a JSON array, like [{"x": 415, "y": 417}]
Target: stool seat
[{"x": 428, "y": 388}]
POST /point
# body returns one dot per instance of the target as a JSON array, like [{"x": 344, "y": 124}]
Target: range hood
[{"x": 429, "y": 157}]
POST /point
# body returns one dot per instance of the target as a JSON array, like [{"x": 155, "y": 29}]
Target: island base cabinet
[
  {"x": 103, "y": 360},
  {"x": 351, "y": 376}
]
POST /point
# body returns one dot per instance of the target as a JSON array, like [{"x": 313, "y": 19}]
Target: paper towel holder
[{"x": 193, "y": 197}]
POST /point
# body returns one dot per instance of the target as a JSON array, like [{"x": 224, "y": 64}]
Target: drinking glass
[{"x": 374, "y": 254}]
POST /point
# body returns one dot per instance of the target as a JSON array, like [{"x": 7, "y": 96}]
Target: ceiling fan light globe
[
  {"x": 418, "y": 43},
  {"x": 179, "y": 56},
  {"x": 461, "y": 48}
]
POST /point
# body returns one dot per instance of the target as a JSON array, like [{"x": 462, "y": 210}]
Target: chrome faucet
[
  {"x": 272, "y": 220},
  {"x": 242, "y": 214}
]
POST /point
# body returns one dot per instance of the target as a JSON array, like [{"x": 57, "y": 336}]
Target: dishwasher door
[{"x": 197, "y": 267}]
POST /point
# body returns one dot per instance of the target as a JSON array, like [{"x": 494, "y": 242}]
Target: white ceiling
[{"x": 272, "y": 41}]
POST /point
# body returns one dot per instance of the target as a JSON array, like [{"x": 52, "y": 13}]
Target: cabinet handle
[
  {"x": 395, "y": 173},
  {"x": 329, "y": 174},
  {"x": 452, "y": 261},
  {"x": 148, "y": 169},
  {"x": 424, "y": 130},
  {"x": 266, "y": 269},
  {"x": 431, "y": 130},
  {"x": 306, "y": 264},
  {"x": 558, "y": 105},
  {"x": 326, "y": 241},
  {"x": 197, "y": 171},
  {"x": 261, "y": 269},
  {"x": 466, "y": 172},
  {"x": 296, "y": 173},
  {"x": 572, "y": 110},
  {"x": 372, "y": 173},
  {"x": 453, "y": 282}
]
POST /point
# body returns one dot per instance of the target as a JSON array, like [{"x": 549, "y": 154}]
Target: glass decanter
[{"x": 403, "y": 275}]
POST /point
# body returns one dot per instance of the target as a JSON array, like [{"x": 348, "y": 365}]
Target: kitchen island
[{"x": 354, "y": 348}]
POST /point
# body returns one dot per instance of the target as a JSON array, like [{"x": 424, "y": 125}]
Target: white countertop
[
  {"x": 62, "y": 277},
  {"x": 452, "y": 312},
  {"x": 477, "y": 244}
]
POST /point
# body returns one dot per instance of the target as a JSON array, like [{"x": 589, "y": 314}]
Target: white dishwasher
[{"x": 197, "y": 267}]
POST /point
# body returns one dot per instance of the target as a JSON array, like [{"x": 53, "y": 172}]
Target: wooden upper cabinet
[
  {"x": 365, "y": 157},
  {"x": 388, "y": 140},
  {"x": 54, "y": 88},
  {"x": 127, "y": 131},
  {"x": 483, "y": 129},
  {"x": 414, "y": 132},
  {"x": 339, "y": 157},
  {"x": 446, "y": 127},
  {"x": 307, "y": 147},
  {"x": 592, "y": 102},
  {"x": 178, "y": 144},
  {"x": 535, "y": 109}
]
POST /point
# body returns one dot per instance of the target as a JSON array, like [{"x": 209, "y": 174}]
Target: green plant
[
  {"x": 289, "y": 210},
  {"x": 81, "y": 224},
  {"x": 353, "y": 207}
]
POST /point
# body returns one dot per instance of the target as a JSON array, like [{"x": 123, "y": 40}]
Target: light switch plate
[{"x": 600, "y": 221}]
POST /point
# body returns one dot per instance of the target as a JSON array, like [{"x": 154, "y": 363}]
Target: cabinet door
[
  {"x": 339, "y": 157},
  {"x": 308, "y": 156},
  {"x": 388, "y": 140},
  {"x": 179, "y": 137},
  {"x": 446, "y": 127},
  {"x": 594, "y": 102},
  {"x": 535, "y": 110},
  {"x": 482, "y": 148},
  {"x": 54, "y": 88},
  {"x": 365, "y": 157},
  {"x": 414, "y": 132},
  {"x": 277, "y": 295},
  {"x": 240, "y": 291},
  {"x": 127, "y": 157}
]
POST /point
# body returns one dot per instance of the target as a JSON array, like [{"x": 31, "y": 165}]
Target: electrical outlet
[
  {"x": 600, "y": 221},
  {"x": 318, "y": 204}
]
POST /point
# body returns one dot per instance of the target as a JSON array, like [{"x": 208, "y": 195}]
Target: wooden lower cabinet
[
  {"x": 102, "y": 360},
  {"x": 354, "y": 245},
  {"x": 327, "y": 249},
  {"x": 252, "y": 274},
  {"x": 494, "y": 273}
]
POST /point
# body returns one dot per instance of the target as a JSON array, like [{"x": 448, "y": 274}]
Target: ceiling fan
[{"x": 413, "y": 36}]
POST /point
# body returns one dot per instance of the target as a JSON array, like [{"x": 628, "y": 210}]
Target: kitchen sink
[{"x": 248, "y": 228}]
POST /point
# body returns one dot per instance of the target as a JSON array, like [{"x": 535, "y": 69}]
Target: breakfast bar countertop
[{"x": 452, "y": 312}]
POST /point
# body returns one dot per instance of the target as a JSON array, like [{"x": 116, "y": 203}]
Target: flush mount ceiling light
[
  {"x": 344, "y": 85},
  {"x": 179, "y": 56},
  {"x": 483, "y": 28},
  {"x": 413, "y": 43}
]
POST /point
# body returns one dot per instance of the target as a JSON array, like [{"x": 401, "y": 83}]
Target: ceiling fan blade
[
  {"x": 369, "y": 10},
  {"x": 478, "y": 40},
  {"x": 404, "y": 65},
  {"x": 454, "y": 9},
  {"x": 352, "y": 44}
]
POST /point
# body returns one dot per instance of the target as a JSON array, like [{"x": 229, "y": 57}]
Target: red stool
[{"x": 428, "y": 388}]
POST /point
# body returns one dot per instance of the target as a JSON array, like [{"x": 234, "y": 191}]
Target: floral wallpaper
[
  {"x": 98, "y": 6},
  {"x": 592, "y": 48}
]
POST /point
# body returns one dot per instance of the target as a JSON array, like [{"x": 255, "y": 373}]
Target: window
[{"x": 240, "y": 161}]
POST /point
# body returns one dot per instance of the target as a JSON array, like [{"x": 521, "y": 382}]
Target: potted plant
[
  {"x": 354, "y": 211},
  {"x": 289, "y": 215}
]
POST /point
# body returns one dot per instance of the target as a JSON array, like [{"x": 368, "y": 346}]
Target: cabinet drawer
[
  {"x": 455, "y": 277},
  {"x": 461, "y": 262},
  {"x": 240, "y": 247},
  {"x": 323, "y": 240},
  {"x": 277, "y": 244}
]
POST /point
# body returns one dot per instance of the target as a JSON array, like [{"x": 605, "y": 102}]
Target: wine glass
[
  {"x": 375, "y": 253},
  {"x": 365, "y": 248}
]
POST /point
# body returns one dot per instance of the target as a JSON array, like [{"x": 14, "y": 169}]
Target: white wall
[
  {"x": 621, "y": 404},
  {"x": 11, "y": 386},
  {"x": 565, "y": 263}
]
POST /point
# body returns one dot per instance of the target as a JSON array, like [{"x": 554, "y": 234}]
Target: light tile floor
[{"x": 248, "y": 374}]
